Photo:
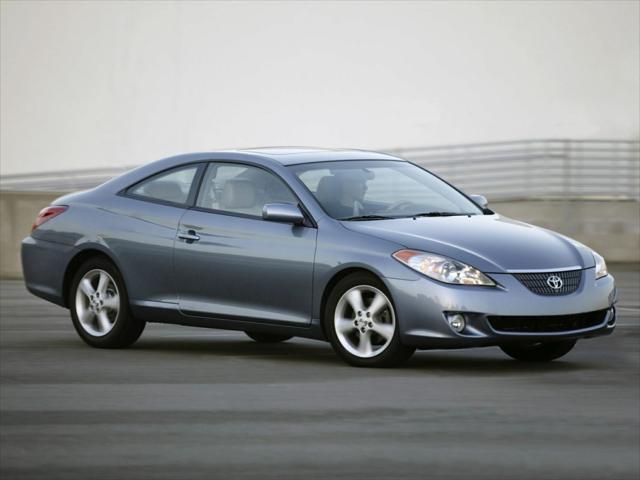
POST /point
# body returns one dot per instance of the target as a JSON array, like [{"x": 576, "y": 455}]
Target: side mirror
[
  {"x": 480, "y": 200},
  {"x": 283, "y": 212}
]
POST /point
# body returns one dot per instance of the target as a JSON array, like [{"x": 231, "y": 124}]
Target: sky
[{"x": 112, "y": 84}]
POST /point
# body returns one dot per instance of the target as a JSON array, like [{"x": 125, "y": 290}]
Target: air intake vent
[{"x": 543, "y": 324}]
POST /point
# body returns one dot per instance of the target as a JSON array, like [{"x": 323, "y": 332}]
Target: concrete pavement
[{"x": 191, "y": 403}]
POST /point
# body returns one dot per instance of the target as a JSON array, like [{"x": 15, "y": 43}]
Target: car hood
[{"x": 491, "y": 243}]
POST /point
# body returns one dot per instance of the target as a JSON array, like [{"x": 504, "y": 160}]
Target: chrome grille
[{"x": 538, "y": 282}]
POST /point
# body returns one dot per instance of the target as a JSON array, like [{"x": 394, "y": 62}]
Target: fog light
[{"x": 457, "y": 322}]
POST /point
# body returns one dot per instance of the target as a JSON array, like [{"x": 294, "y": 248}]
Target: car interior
[{"x": 242, "y": 190}]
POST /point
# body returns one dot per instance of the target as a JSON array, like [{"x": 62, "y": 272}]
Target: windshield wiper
[
  {"x": 439, "y": 214},
  {"x": 365, "y": 217}
]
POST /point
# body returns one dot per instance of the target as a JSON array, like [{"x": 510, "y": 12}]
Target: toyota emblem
[{"x": 554, "y": 282}]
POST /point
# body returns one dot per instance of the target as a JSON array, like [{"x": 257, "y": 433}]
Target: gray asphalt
[{"x": 190, "y": 403}]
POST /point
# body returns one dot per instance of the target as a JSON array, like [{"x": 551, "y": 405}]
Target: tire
[
  {"x": 539, "y": 352},
  {"x": 104, "y": 319},
  {"x": 379, "y": 345},
  {"x": 267, "y": 337}
]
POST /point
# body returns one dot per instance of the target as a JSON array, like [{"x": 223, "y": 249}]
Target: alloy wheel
[
  {"x": 364, "y": 321},
  {"x": 97, "y": 302}
]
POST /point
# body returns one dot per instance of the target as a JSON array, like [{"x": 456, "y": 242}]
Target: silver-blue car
[{"x": 370, "y": 252}]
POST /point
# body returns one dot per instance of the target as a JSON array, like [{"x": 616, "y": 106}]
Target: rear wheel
[
  {"x": 100, "y": 306},
  {"x": 539, "y": 352},
  {"x": 361, "y": 324},
  {"x": 267, "y": 337}
]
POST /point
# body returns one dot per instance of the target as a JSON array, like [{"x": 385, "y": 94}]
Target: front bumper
[{"x": 422, "y": 305}]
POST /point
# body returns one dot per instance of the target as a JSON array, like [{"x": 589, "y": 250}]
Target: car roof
[
  {"x": 275, "y": 155},
  {"x": 297, "y": 155}
]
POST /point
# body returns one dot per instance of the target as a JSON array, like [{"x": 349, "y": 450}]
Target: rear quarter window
[{"x": 172, "y": 186}]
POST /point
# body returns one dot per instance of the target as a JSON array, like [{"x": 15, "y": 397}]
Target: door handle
[{"x": 190, "y": 236}]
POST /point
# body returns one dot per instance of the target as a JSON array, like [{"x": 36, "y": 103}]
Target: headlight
[
  {"x": 442, "y": 269},
  {"x": 601, "y": 266}
]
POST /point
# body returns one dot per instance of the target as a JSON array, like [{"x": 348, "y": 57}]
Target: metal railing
[
  {"x": 525, "y": 169},
  {"x": 600, "y": 169}
]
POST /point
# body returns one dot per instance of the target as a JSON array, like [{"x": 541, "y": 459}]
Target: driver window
[{"x": 243, "y": 189}]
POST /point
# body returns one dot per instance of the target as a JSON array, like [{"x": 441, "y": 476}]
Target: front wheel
[
  {"x": 539, "y": 352},
  {"x": 361, "y": 323}
]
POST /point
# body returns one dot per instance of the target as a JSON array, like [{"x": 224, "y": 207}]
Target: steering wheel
[{"x": 399, "y": 205}]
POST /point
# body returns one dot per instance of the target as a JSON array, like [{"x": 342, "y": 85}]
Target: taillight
[{"x": 48, "y": 213}]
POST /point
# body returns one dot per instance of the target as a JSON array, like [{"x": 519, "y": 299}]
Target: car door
[{"x": 232, "y": 264}]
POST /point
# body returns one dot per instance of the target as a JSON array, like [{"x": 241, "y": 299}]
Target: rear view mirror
[
  {"x": 283, "y": 212},
  {"x": 480, "y": 200}
]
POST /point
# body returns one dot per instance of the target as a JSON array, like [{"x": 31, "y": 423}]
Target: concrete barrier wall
[{"x": 610, "y": 227}]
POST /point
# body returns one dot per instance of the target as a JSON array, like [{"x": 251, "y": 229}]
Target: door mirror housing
[
  {"x": 283, "y": 212},
  {"x": 480, "y": 200}
]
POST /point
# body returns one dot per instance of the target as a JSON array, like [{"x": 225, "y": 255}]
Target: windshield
[{"x": 373, "y": 189}]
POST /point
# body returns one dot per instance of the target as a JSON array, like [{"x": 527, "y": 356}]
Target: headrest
[
  {"x": 165, "y": 190},
  {"x": 238, "y": 194},
  {"x": 329, "y": 189}
]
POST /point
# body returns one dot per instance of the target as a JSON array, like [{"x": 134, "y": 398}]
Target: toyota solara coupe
[{"x": 368, "y": 251}]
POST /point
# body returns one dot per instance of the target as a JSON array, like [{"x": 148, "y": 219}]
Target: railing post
[{"x": 567, "y": 183}]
